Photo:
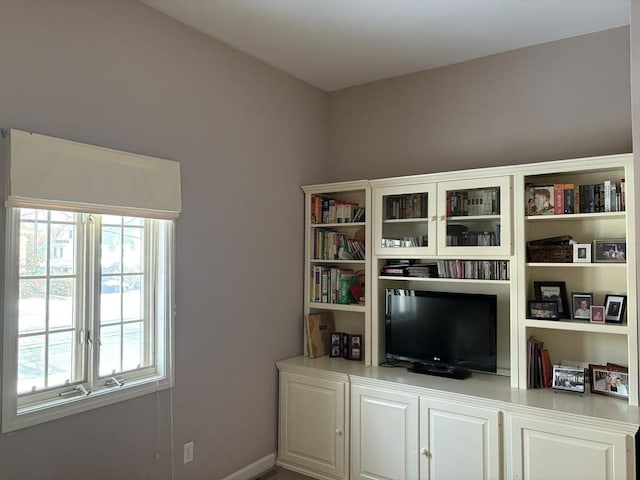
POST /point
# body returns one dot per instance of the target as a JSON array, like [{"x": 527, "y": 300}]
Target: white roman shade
[{"x": 48, "y": 172}]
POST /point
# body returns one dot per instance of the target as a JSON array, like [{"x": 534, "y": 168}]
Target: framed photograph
[
  {"x": 542, "y": 310},
  {"x": 581, "y": 305},
  {"x": 539, "y": 199},
  {"x": 597, "y": 314},
  {"x": 336, "y": 343},
  {"x": 612, "y": 251},
  {"x": 612, "y": 380},
  {"x": 614, "y": 308},
  {"x": 568, "y": 378},
  {"x": 581, "y": 253},
  {"x": 553, "y": 292},
  {"x": 355, "y": 347}
]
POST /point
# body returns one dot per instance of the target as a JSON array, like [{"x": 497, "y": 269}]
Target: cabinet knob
[
  {"x": 424, "y": 451},
  {"x": 338, "y": 431}
]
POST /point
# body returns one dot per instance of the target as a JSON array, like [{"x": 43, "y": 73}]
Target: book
[
  {"x": 318, "y": 327},
  {"x": 558, "y": 205},
  {"x": 569, "y": 197}
]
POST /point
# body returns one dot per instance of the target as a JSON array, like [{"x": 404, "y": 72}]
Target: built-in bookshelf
[
  {"x": 561, "y": 207},
  {"x": 336, "y": 256}
]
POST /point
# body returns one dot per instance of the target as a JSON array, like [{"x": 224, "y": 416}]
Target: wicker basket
[{"x": 550, "y": 253}]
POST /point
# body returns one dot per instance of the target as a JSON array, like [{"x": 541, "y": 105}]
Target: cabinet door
[
  {"x": 405, "y": 222},
  {"x": 312, "y": 423},
  {"x": 543, "y": 450},
  {"x": 385, "y": 434},
  {"x": 459, "y": 441},
  {"x": 474, "y": 217}
]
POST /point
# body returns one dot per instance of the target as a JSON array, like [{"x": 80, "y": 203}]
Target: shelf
[
  {"x": 578, "y": 326},
  {"x": 577, "y": 265},
  {"x": 406, "y": 220},
  {"x": 576, "y": 216},
  {"x": 335, "y": 225},
  {"x": 435, "y": 280},
  {"x": 353, "y": 307},
  {"x": 468, "y": 218},
  {"x": 338, "y": 262}
]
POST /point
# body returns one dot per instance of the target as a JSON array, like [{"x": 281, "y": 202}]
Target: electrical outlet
[{"x": 188, "y": 452}]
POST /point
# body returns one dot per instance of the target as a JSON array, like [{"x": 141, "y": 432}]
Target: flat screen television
[{"x": 441, "y": 333}]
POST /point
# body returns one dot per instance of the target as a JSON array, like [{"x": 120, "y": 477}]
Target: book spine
[
  {"x": 607, "y": 195},
  {"x": 558, "y": 204},
  {"x": 569, "y": 197}
]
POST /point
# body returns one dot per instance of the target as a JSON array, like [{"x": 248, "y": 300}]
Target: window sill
[{"x": 60, "y": 408}]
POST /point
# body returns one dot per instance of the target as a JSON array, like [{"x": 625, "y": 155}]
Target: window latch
[
  {"x": 75, "y": 391},
  {"x": 114, "y": 382}
]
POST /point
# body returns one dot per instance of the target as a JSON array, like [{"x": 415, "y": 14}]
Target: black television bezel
[{"x": 445, "y": 367}]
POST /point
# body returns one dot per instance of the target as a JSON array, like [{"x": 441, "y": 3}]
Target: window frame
[{"x": 48, "y": 404}]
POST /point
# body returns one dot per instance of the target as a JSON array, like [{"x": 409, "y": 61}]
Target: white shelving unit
[
  {"x": 351, "y": 318},
  {"x": 451, "y": 204},
  {"x": 571, "y": 339}
]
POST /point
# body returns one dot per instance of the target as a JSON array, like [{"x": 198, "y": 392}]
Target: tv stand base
[{"x": 449, "y": 372}]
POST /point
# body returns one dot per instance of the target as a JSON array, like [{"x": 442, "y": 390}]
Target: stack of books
[{"x": 540, "y": 373}]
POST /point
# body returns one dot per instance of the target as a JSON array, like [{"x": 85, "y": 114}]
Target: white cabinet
[
  {"x": 544, "y": 450},
  {"x": 459, "y": 441},
  {"x": 467, "y": 217},
  {"x": 385, "y": 434},
  {"x": 406, "y": 220},
  {"x": 404, "y": 435},
  {"x": 313, "y": 429}
]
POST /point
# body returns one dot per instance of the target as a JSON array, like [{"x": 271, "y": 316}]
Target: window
[
  {"x": 90, "y": 302},
  {"x": 88, "y": 277}
]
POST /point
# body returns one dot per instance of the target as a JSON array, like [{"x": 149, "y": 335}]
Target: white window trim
[{"x": 14, "y": 418}]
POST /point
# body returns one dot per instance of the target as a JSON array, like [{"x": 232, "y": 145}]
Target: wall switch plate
[{"x": 188, "y": 452}]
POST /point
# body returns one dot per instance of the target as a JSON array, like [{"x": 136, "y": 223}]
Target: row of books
[
  {"x": 331, "y": 245},
  {"x": 331, "y": 210},
  {"x": 485, "y": 201},
  {"x": 540, "y": 368},
  {"x": 473, "y": 239},
  {"x": 569, "y": 198},
  {"x": 405, "y": 242},
  {"x": 474, "y": 269},
  {"x": 420, "y": 270},
  {"x": 400, "y": 207},
  {"x": 335, "y": 285}
]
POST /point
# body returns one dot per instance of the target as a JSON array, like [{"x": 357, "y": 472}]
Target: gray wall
[
  {"x": 563, "y": 99},
  {"x": 120, "y": 74}
]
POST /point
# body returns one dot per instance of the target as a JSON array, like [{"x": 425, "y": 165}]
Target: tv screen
[{"x": 442, "y": 329}]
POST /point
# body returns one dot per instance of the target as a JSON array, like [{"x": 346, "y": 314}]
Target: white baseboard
[{"x": 256, "y": 468}]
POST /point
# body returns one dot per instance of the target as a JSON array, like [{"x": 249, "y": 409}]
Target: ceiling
[{"x": 334, "y": 44}]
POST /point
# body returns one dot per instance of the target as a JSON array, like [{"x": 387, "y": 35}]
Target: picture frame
[
  {"x": 335, "y": 344},
  {"x": 553, "y": 292},
  {"x": 541, "y": 310},
  {"x": 581, "y": 305},
  {"x": 355, "y": 347},
  {"x": 610, "y": 251},
  {"x": 540, "y": 199},
  {"x": 614, "y": 306},
  {"x": 611, "y": 380},
  {"x": 568, "y": 378},
  {"x": 581, "y": 253},
  {"x": 597, "y": 314}
]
